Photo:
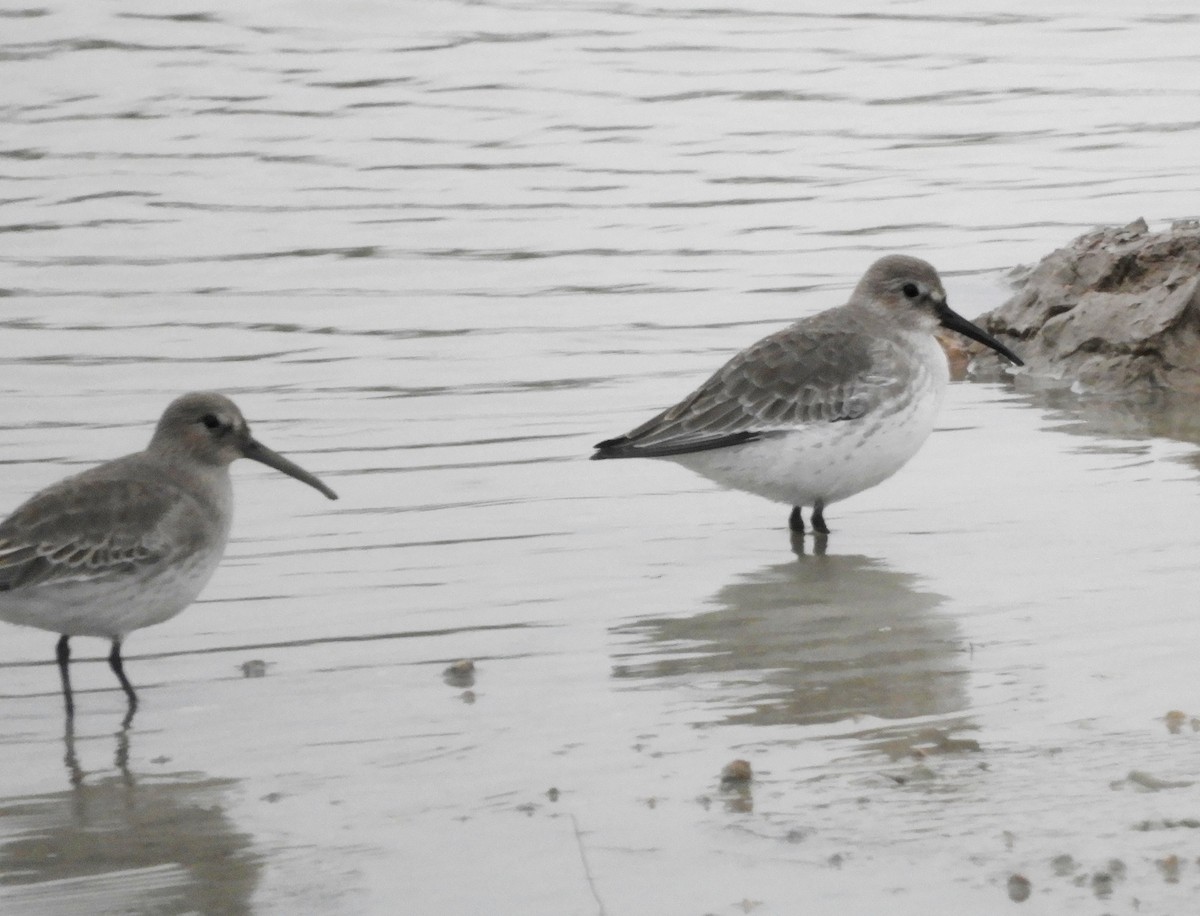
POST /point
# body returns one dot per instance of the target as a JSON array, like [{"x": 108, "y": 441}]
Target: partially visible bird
[
  {"x": 131, "y": 542},
  {"x": 825, "y": 408}
]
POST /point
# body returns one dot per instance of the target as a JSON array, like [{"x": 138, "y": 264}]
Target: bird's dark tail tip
[{"x": 611, "y": 448}]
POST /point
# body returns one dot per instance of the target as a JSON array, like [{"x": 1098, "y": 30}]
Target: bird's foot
[
  {"x": 796, "y": 521},
  {"x": 818, "y": 518}
]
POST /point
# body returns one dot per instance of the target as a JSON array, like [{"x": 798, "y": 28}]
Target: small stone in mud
[
  {"x": 1063, "y": 865},
  {"x": 736, "y": 773},
  {"x": 1102, "y": 884},
  {"x": 1170, "y": 869},
  {"x": 1019, "y": 888},
  {"x": 256, "y": 667},
  {"x": 948, "y": 745},
  {"x": 1190, "y": 823},
  {"x": 1176, "y": 720},
  {"x": 460, "y": 674},
  {"x": 1153, "y": 783},
  {"x": 918, "y": 773},
  {"x": 926, "y": 743}
]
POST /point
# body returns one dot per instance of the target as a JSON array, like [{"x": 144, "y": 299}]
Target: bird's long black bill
[
  {"x": 256, "y": 451},
  {"x": 956, "y": 322}
]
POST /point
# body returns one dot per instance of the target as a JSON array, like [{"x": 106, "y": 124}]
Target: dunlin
[
  {"x": 131, "y": 542},
  {"x": 825, "y": 408}
]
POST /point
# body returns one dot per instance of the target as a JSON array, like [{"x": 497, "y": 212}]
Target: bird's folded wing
[
  {"x": 86, "y": 529},
  {"x": 789, "y": 380}
]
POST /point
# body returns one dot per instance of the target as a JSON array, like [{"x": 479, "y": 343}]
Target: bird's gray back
[{"x": 837, "y": 365}]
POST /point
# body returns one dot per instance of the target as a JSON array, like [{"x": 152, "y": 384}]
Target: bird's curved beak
[
  {"x": 256, "y": 451},
  {"x": 956, "y": 322}
]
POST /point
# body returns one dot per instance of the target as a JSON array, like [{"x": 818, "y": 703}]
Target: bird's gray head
[
  {"x": 909, "y": 289},
  {"x": 204, "y": 425},
  {"x": 206, "y": 428},
  {"x": 911, "y": 292}
]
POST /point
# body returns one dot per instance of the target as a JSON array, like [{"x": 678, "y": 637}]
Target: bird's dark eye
[
  {"x": 210, "y": 421},
  {"x": 910, "y": 290}
]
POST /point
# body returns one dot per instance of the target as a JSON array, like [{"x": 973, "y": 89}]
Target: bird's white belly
[
  {"x": 114, "y": 606},
  {"x": 828, "y": 462}
]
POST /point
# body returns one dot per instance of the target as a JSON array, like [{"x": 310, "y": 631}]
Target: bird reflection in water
[
  {"x": 76, "y": 775},
  {"x": 115, "y": 841},
  {"x": 819, "y": 639}
]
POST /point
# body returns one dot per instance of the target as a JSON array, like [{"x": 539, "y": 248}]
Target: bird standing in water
[
  {"x": 825, "y": 408},
  {"x": 131, "y": 543}
]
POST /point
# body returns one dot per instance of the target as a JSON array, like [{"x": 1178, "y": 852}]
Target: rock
[
  {"x": 1170, "y": 868},
  {"x": 736, "y": 772},
  {"x": 958, "y": 351},
  {"x": 1176, "y": 719},
  {"x": 1151, "y": 783},
  {"x": 460, "y": 674},
  {"x": 256, "y": 667},
  {"x": 1117, "y": 310},
  {"x": 1019, "y": 888}
]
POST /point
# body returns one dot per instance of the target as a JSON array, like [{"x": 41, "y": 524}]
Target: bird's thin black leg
[
  {"x": 796, "y": 521},
  {"x": 63, "y": 654},
  {"x": 114, "y": 662},
  {"x": 818, "y": 518}
]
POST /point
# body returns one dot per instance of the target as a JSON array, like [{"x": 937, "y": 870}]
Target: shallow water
[{"x": 437, "y": 250}]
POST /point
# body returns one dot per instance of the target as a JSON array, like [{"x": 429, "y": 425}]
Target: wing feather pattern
[
  {"x": 823, "y": 369},
  {"x": 94, "y": 527}
]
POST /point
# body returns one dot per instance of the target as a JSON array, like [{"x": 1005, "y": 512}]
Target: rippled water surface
[{"x": 436, "y": 250}]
